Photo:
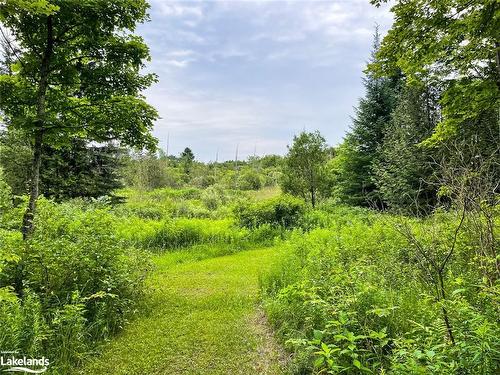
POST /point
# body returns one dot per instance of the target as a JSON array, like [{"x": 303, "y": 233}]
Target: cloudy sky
[{"x": 254, "y": 73}]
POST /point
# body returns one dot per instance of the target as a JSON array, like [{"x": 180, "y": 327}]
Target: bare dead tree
[
  {"x": 472, "y": 181},
  {"x": 432, "y": 256}
]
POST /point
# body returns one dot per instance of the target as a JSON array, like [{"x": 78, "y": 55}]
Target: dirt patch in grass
[{"x": 270, "y": 356}]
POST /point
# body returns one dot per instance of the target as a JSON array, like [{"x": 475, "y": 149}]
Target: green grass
[
  {"x": 264, "y": 193},
  {"x": 200, "y": 317}
]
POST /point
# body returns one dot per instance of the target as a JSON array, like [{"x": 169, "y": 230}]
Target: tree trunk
[
  {"x": 446, "y": 318},
  {"x": 29, "y": 215},
  {"x": 313, "y": 197}
]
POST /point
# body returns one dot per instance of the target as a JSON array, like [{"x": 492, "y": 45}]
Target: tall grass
[
  {"x": 80, "y": 284},
  {"x": 354, "y": 297}
]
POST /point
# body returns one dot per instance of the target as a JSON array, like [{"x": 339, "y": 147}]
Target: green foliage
[
  {"x": 214, "y": 197},
  {"x": 69, "y": 339},
  {"x": 79, "y": 283},
  {"x": 23, "y": 324},
  {"x": 149, "y": 172},
  {"x": 249, "y": 179},
  {"x": 80, "y": 170},
  {"x": 75, "y": 170},
  {"x": 403, "y": 171},
  {"x": 15, "y": 158},
  {"x": 349, "y": 171},
  {"x": 352, "y": 298},
  {"x": 156, "y": 170},
  {"x": 168, "y": 219},
  {"x": 5, "y": 193},
  {"x": 303, "y": 171},
  {"x": 212, "y": 202},
  {"x": 93, "y": 69},
  {"x": 187, "y": 159},
  {"x": 173, "y": 234},
  {"x": 352, "y": 169},
  {"x": 337, "y": 349},
  {"x": 283, "y": 211},
  {"x": 76, "y": 74},
  {"x": 452, "y": 43}
]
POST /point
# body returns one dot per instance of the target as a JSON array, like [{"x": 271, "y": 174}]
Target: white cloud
[
  {"x": 177, "y": 9},
  {"x": 182, "y": 53},
  {"x": 179, "y": 63},
  {"x": 257, "y": 71},
  {"x": 191, "y": 36},
  {"x": 207, "y": 119}
]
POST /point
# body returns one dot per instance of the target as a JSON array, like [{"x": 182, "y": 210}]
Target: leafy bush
[
  {"x": 351, "y": 298},
  {"x": 249, "y": 179},
  {"x": 79, "y": 283},
  {"x": 213, "y": 197},
  {"x": 282, "y": 211},
  {"x": 5, "y": 193}
]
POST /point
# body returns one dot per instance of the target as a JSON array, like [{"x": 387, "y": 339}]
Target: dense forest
[{"x": 379, "y": 255}]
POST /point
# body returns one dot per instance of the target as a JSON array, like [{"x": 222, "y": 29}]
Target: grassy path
[{"x": 202, "y": 318}]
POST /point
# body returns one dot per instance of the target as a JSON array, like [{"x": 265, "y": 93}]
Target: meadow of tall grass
[
  {"x": 356, "y": 293},
  {"x": 80, "y": 279},
  {"x": 352, "y": 290}
]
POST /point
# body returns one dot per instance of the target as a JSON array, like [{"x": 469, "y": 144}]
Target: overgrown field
[
  {"x": 374, "y": 293},
  {"x": 350, "y": 290},
  {"x": 81, "y": 277}
]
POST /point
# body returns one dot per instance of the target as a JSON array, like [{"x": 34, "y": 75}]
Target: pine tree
[
  {"x": 404, "y": 168},
  {"x": 187, "y": 159},
  {"x": 81, "y": 170},
  {"x": 354, "y": 181},
  {"x": 75, "y": 170}
]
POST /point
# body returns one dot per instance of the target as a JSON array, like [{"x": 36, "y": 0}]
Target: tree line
[
  {"x": 71, "y": 104},
  {"x": 406, "y": 150}
]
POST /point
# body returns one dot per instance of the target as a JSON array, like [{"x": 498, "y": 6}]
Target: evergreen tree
[
  {"x": 5, "y": 193},
  {"x": 80, "y": 170},
  {"x": 15, "y": 159},
  {"x": 404, "y": 168},
  {"x": 353, "y": 175},
  {"x": 453, "y": 43},
  {"x": 75, "y": 170},
  {"x": 187, "y": 159}
]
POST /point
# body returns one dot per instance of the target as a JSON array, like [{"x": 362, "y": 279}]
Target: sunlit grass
[{"x": 199, "y": 318}]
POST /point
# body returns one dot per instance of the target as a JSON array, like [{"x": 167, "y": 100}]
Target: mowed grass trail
[{"x": 202, "y": 318}]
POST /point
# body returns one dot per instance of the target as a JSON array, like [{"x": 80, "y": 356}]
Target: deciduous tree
[
  {"x": 451, "y": 42},
  {"x": 76, "y": 74},
  {"x": 304, "y": 168}
]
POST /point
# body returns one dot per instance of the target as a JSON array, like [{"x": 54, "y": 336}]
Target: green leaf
[{"x": 356, "y": 363}]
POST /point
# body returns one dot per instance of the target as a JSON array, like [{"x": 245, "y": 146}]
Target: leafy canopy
[
  {"x": 91, "y": 63},
  {"x": 304, "y": 169},
  {"x": 453, "y": 44}
]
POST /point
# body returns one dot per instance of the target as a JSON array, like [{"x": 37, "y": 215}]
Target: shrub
[
  {"x": 80, "y": 283},
  {"x": 353, "y": 298},
  {"x": 283, "y": 211},
  {"x": 213, "y": 197},
  {"x": 249, "y": 179},
  {"x": 5, "y": 193}
]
